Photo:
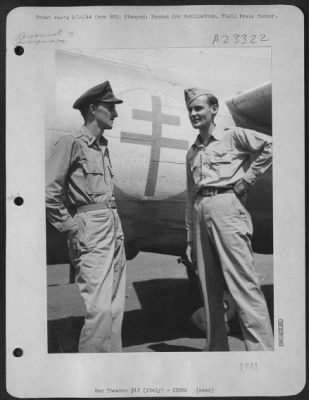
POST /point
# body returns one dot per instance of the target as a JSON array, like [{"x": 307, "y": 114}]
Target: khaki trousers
[
  {"x": 222, "y": 232},
  {"x": 97, "y": 253}
]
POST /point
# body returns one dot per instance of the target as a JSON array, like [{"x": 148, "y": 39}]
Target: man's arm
[
  {"x": 190, "y": 197},
  {"x": 57, "y": 169},
  {"x": 254, "y": 143}
]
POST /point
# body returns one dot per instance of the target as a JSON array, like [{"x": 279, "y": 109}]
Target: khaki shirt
[
  {"x": 78, "y": 173},
  {"x": 231, "y": 155}
]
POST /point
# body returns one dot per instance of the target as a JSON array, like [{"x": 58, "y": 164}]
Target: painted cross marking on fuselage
[{"x": 155, "y": 140}]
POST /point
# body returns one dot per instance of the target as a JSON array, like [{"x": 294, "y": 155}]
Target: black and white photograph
[
  {"x": 146, "y": 139},
  {"x": 156, "y": 222}
]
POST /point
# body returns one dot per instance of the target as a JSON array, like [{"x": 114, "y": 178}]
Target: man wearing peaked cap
[
  {"x": 220, "y": 171},
  {"x": 100, "y": 93},
  {"x": 80, "y": 203}
]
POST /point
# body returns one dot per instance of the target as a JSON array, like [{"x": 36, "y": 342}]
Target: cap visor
[{"x": 112, "y": 100}]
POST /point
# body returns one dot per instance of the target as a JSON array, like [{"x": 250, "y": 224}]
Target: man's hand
[
  {"x": 73, "y": 244},
  {"x": 241, "y": 188},
  {"x": 189, "y": 252}
]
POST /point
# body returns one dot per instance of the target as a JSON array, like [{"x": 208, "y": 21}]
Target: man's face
[
  {"x": 201, "y": 114},
  {"x": 105, "y": 113}
]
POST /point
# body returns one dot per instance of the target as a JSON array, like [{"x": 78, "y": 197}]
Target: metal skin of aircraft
[{"x": 148, "y": 146}]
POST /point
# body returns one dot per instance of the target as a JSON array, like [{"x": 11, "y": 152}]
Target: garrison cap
[
  {"x": 102, "y": 92},
  {"x": 193, "y": 93}
]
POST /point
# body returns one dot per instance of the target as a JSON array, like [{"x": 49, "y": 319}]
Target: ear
[
  {"x": 214, "y": 109},
  {"x": 92, "y": 108}
]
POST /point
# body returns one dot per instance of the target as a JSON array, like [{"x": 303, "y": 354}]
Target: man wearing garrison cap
[
  {"x": 80, "y": 202},
  {"x": 220, "y": 171}
]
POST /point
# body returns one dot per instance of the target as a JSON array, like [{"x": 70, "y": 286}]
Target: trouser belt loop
[{"x": 97, "y": 206}]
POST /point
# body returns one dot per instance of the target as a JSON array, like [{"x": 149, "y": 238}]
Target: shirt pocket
[
  {"x": 222, "y": 164},
  {"x": 196, "y": 173},
  {"x": 94, "y": 177}
]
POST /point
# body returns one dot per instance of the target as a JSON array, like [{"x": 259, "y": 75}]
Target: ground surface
[{"x": 159, "y": 305}]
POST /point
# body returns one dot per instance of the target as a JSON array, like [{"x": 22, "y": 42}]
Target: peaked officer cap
[
  {"x": 102, "y": 92},
  {"x": 193, "y": 93}
]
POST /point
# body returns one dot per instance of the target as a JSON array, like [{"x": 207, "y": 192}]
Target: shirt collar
[
  {"x": 85, "y": 134},
  {"x": 217, "y": 134}
]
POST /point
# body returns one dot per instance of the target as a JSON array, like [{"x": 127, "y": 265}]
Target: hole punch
[
  {"x": 19, "y": 201},
  {"x": 19, "y": 50},
  {"x": 18, "y": 352}
]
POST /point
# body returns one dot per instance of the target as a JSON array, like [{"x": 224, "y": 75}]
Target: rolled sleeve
[{"x": 258, "y": 143}]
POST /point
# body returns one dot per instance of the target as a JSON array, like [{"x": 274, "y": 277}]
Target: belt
[
  {"x": 97, "y": 206},
  {"x": 212, "y": 191}
]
